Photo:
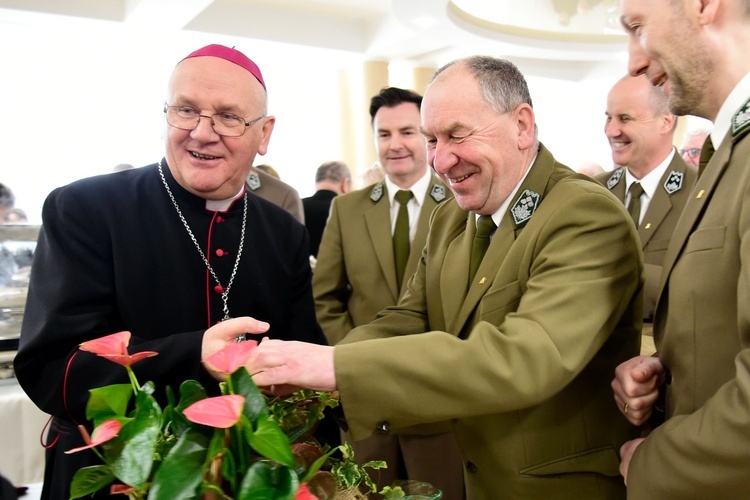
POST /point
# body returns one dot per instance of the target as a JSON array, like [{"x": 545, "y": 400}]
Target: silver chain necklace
[{"x": 224, "y": 291}]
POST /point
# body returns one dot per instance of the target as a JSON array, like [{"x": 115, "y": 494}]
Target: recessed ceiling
[{"x": 420, "y": 31}]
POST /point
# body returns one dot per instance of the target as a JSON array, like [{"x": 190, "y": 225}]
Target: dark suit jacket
[
  {"x": 522, "y": 362},
  {"x": 113, "y": 255},
  {"x": 317, "y": 207},
  {"x": 657, "y": 226},
  {"x": 702, "y": 335}
]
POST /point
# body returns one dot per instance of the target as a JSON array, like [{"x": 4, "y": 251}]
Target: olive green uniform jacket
[
  {"x": 277, "y": 192},
  {"x": 702, "y": 335},
  {"x": 522, "y": 363},
  {"x": 355, "y": 276},
  {"x": 657, "y": 225}
]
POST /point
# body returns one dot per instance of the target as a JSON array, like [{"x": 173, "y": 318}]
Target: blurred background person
[
  {"x": 268, "y": 169},
  {"x": 331, "y": 179},
  {"x": 278, "y": 192},
  {"x": 692, "y": 143},
  {"x": 654, "y": 182}
]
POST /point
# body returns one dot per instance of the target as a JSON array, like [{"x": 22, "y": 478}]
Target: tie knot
[
  {"x": 403, "y": 196},
  {"x": 636, "y": 190},
  {"x": 485, "y": 226}
]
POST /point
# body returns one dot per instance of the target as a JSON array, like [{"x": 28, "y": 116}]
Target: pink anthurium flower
[
  {"x": 230, "y": 358},
  {"x": 114, "y": 347},
  {"x": 120, "y": 489},
  {"x": 221, "y": 412},
  {"x": 303, "y": 493},
  {"x": 103, "y": 433}
]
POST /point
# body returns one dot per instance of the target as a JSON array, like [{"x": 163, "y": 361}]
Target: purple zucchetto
[{"x": 232, "y": 55}]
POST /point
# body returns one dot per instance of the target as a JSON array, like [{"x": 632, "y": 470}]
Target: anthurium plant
[{"x": 239, "y": 445}]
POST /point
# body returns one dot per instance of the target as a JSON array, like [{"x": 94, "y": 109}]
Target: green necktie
[
  {"x": 485, "y": 227},
  {"x": 401, "y": 235},
  {"x": 706, "y": 153},
  {"x": 636, "y": 190}
]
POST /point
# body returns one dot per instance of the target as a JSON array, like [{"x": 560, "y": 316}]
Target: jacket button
[
  {"x": 383, "y": 428},
  {"x": 219, "y": 219},
  {"x": 221, "y": 253},
  {"x": 218, "y": 289},
  {"x": 471, "y": 467}
]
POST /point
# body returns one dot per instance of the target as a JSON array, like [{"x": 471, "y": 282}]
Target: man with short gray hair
[{"x": 331, "y": 179}]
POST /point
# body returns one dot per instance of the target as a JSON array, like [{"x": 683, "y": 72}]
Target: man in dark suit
[
  {"x": 357, "y": 275},
  {"x": 508, "y": 346},
  {"x": 178, "y": 253},
  {"x": 697, "y": 53},
  {"x": 331, "y": 179},
  {"x": 640, "y": 131}
]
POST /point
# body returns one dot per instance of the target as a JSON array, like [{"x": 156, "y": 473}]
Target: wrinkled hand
[
  {"x": 285, "y": 366},
  {"x": 636, "y": 387},
  {"x": 222, "y": 334},
  {"x": 626, "y": 453}
]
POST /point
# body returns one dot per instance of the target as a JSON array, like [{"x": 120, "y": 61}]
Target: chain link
[{"x": 225, "y": 291}]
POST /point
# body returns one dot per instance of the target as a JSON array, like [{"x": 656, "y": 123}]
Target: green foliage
[{"x": 163, "y": 455}]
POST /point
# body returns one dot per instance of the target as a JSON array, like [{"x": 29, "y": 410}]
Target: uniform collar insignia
[
  {"x": 741, "y": 119},
  {"x": 253, "y": 181},
  {"x": 437, "y": 193},
  {"x": 674, "y": 182},
  {"x": 377, "y": 192},
  {"x": 614, "y": 179},
  {"x": 524, "y": 207}
]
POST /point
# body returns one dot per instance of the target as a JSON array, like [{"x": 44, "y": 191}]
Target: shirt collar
[
  {"x": 650, "y": 181},
  {"x": 418, "y": 189},
  {"x": 733, "y": 102}
]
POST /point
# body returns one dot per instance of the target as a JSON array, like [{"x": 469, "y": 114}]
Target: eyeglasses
[
  {"x": 692, "y": 152},
  {"x": 224, "y": 124}
]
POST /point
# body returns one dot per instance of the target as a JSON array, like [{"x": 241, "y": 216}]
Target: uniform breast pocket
[
  {"x": 707, "y": 238},
  {"x": 496, "y": 304}
]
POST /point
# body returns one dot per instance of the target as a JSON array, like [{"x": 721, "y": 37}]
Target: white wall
[{"x": 78, "y": 102}]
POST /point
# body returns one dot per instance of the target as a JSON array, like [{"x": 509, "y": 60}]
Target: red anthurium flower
[
  {"x": 120, "y": 489},
  {"x": 231, "y": 357},
  {"x": 303, "y": 493},
  {"x": 103, "y": 433},
  {"x": 115, "y": 348},
  {"x": 220, "y": 412}
]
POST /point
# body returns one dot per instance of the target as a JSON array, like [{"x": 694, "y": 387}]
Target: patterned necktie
[
  {"x": 401, "y": 235},
  {"x": 636, "y": 190},
  {"x": 485, "y": 227},
  {"x": 706, "y": 153}
]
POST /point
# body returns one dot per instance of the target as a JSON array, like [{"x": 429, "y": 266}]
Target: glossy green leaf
[
  {"x": 133, "y": 464},
  {"x": 108, "y": 401},
  {"x": 89, "y": 480},
  {"x": 182, "y": 469},
  {"x": 190, "y": 392},
  {"x": 255, "y": 402},
  {"x": 270, "y": 441},
  {"x": 268, "y": 481}
]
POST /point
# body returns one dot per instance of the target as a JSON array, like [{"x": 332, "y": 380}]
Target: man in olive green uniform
[
  {"x": 697, "y": 53},
  {"x": 519, "y": 356},
  {"x": 356, "y": 276},
  {"x": 277, "y": 192},
  {"x": 640, "y": 131}
]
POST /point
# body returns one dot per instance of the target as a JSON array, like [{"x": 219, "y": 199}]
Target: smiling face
[
  {"x": 665, "y": 44},
  {"x": 400, "y": 146},
  {"x": 480, "y": 153},
  {"x": 637, "y": 126},
  {"x": 203, "y": 162}
]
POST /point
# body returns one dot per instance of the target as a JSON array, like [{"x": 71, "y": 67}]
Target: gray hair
[
  {"x": 335, "y": 171},
  {"x": 502, "y": 84}
]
